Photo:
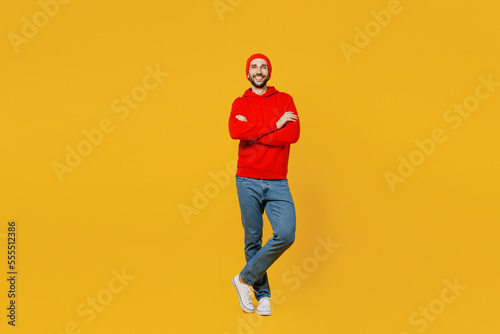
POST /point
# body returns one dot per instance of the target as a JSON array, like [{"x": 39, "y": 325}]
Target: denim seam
[
  {"x": 276, "y": 220},
  {"x": 244, "y": 280}
]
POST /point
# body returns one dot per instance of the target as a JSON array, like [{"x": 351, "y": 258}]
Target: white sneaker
[
  {"x": 264, "y": 307},
  {"x": 245, "y": 295}
]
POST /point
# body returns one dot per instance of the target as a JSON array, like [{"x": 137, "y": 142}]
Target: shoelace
[{"x": 248, "y": 291}]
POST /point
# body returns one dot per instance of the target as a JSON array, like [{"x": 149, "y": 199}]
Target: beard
[{"x": 261, "y": 84}]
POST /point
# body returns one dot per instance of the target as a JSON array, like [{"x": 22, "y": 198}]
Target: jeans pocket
[{"x": 241, "y": 179}]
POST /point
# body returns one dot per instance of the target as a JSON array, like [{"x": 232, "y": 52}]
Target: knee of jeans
[{"x": 287, "y": 238}]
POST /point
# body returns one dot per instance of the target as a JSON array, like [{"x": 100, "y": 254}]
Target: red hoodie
[{"x": 263, "y": 150}]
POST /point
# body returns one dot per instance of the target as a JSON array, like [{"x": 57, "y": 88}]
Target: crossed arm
[
  {"x": 279, "y": 130},
  {"x": 289, "y": 116},
  {"x": 287, "y": 130}
]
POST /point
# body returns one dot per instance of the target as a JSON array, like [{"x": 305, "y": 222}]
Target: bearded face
[{"x": 258, "y": 73}]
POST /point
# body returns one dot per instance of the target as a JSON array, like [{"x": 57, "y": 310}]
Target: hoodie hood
[{"x": 270, "y": 91}]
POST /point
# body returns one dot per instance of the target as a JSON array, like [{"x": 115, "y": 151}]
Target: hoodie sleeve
[
  {"x": 288, "y": 134},
  {"x": 245, "y": 130}
]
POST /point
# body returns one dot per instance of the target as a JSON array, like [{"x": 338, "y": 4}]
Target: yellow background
[{"x": 120, "y": 208}]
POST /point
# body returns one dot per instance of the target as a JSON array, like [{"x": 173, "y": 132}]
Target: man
[{"x": 266, "y": 123}]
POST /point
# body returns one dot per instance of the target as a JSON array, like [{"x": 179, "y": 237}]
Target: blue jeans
[{"x": 273, "y": 197}]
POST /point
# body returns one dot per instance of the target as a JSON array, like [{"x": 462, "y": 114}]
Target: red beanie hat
[{"x": 257, "y": 56}]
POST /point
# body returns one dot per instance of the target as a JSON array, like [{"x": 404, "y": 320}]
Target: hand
[
  {"x": 241, "y": 118},
  {"x": 289, "y": 116}
]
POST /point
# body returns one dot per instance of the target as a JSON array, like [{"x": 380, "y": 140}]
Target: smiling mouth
[{"x": 259, "y": 78}]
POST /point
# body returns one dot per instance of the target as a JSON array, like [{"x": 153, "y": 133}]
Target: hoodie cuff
[{"x": 274, "y": 126}]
